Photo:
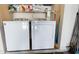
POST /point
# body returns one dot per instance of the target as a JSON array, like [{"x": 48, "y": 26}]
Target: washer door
[{"x": 16, "y": 35}]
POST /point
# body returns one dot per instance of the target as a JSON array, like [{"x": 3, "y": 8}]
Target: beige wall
[
  {"x": 58, "y": 11},
  {"x": 4, "y": 13}
]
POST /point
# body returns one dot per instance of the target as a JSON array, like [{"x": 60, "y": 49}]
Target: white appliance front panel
[
  {"x": 16, "y": 35},
  {"x": 43, "y": 34}
]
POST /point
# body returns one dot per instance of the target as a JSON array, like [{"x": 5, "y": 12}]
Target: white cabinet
[
  {"x": 43, "y": 34},
  {"x": 17, "y": 35}
]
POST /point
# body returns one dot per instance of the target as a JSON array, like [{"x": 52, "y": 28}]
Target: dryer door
[{"x": 43, "y": 34}]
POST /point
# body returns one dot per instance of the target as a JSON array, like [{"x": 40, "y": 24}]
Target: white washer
[{"x": 16, "y": 35}]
